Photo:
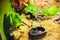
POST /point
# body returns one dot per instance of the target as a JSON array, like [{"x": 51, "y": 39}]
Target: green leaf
[
  {"x": 52, "y": 10},
  {"x": 44, "y": 11},
  {"x": 14, "y": 19},
  {"x": 31, "y": 8}
]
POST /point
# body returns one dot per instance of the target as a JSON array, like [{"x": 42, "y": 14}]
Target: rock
[{"x": 57, "y": 18}]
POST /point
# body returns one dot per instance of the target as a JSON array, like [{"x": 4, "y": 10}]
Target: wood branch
[
  {"x": 26, "y": 22},
  {"x": 25, "y": 4}
]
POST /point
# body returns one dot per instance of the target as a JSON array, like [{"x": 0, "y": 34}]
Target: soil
[{"x": 52, "y": 29}]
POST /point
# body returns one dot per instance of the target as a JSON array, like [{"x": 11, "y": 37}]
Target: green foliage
[
  {"x": 50, "y": 11},
  {"x": 45, "y": 11},
  {"x": 14, "y": 19},
  {"x": 53, "y": 10},
  {"x": 31, "y": 8}
]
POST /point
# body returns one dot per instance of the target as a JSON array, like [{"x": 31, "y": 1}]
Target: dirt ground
[{"x": 52, "y": 29}]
